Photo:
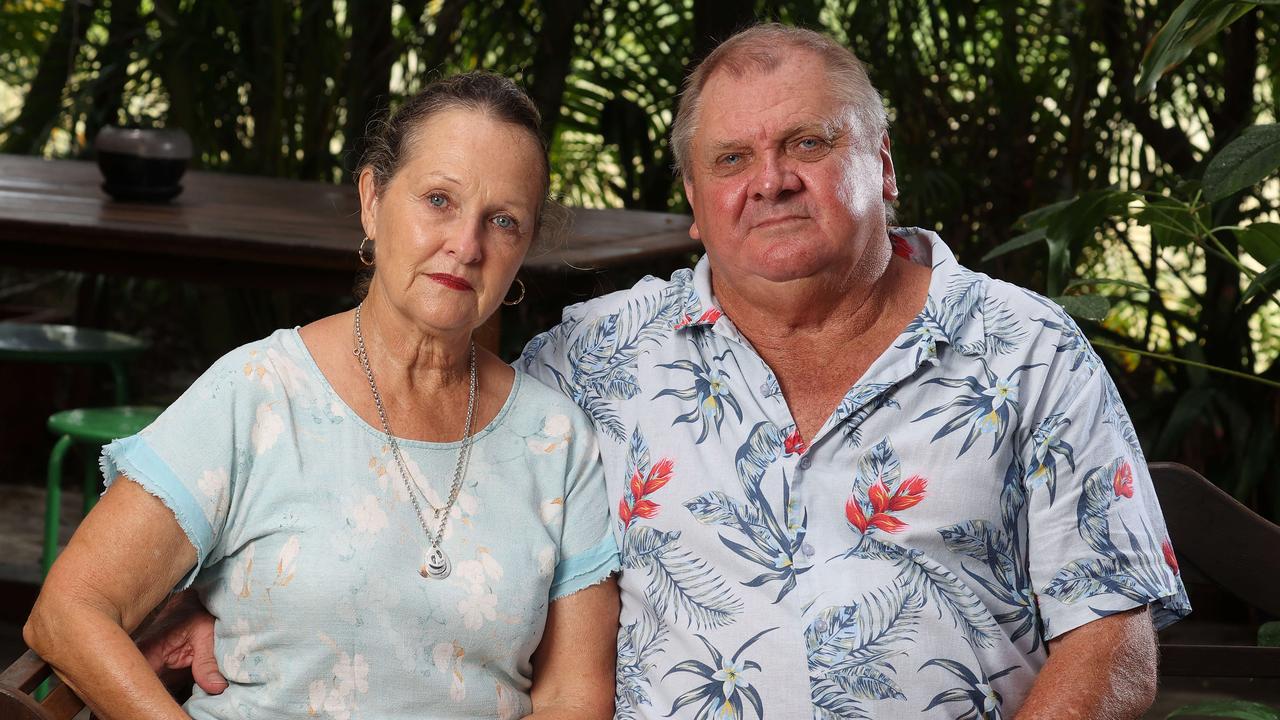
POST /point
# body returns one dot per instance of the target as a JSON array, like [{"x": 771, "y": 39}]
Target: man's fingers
[{"x": 204, "y": 667}]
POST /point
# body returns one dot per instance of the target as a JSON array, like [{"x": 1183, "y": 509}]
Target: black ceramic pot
[{"x": 142, "y": 164}]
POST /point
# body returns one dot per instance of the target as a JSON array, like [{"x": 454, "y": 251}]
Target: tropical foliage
[{"x": 1119, "y": 157}]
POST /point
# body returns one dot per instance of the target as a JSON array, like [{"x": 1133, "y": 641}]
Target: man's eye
[
  {"x": 809, "y": 144},
  {"x": 437, "y": 200},
  {"x": 730, "y": 159},
  {"x": 505, "y": 222}
]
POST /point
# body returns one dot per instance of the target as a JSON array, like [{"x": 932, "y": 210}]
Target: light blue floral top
[
  {"x": 978, "y": 492},
  {"x": 309, "y": 549}
]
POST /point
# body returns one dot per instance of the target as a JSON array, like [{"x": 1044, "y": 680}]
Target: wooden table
[{"x": 254, "y": 231}]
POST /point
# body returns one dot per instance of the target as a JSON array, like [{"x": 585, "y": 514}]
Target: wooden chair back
[
  {"x": 18, "y": 685},
  {"x": 1236, "y": 549}
]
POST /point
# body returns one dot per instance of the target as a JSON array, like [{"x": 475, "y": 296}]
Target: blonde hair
[{"x": 763, "y": 48}]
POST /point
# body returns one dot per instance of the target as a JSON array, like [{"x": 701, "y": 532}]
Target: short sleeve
[
  {"x": 194, "y": 455},
  {"x": 1097, "y": 541},
  {"x": 588, "y": 551}
]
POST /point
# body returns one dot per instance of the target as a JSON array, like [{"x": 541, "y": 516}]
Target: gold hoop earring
[
  {"x": 517, "y": 300},
  {"x": 366, "y": 260}
]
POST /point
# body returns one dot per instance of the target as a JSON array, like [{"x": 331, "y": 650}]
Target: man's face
[{"x": 783, "y": 185}]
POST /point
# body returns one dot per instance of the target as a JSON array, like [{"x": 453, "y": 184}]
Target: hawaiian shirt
[{"x": 978, "y": 492}]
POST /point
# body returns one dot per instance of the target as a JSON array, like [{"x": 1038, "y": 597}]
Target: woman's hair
[{"x": 389, "y": 138}]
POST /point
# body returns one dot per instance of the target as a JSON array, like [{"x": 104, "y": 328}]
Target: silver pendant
[{"x": 437, "y": 567}]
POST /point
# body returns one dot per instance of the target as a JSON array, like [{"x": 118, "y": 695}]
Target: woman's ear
[{"x": 368, "y": 202}]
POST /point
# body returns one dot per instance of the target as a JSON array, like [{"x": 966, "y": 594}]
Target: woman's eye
[
  {"x": 437, "y": 200},
  {"x": 505, "y": 222}
]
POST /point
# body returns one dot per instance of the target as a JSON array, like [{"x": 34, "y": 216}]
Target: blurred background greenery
[{"x": 1067, "y": 146}]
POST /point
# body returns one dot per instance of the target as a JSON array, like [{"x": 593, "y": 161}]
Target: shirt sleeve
[
  {"x": 1097, "y": 542},
  {"x": 195, "y": 455},
  {"x": 588, "y": 552}
]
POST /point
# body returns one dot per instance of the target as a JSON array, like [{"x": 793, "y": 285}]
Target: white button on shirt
[{"x": 978, "y": 492}]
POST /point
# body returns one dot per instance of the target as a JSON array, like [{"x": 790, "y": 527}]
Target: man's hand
[{"x": 181, "y": 637}]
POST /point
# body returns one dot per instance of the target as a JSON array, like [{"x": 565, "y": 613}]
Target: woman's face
[{"x": 453, "y": 225}]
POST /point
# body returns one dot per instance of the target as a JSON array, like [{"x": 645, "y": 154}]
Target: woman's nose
[{"x": 466, "y": 245}]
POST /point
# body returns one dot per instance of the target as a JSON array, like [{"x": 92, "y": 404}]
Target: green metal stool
[
  {"x": 70, "y": 345},
  {"x": 88, "y": 426}
]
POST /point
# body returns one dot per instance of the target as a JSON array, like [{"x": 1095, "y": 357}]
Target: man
[{"x": 849, "y": 477}]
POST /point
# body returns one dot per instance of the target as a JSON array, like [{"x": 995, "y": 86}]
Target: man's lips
[
  {"x": 450, "y": 281},
  {"x": 769, "y": 222}
]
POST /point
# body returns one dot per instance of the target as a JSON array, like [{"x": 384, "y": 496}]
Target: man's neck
[{"x": 811, "y": 313}]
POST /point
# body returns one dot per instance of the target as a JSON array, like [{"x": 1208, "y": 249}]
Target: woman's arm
[
  {"x": 574, "y": 664},
  {"x": 121, "y": 563}
]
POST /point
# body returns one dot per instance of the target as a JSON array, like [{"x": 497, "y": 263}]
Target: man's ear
[
  {"x": 890, "y": 192},
  {"x": 688, "y": 195},
  {"x": 368, "y": 203}
]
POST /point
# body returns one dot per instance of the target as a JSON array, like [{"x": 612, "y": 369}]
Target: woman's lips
[{"x": 450, "y": 281}]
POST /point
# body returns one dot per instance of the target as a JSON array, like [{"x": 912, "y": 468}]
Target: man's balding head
[{"x": 761, "y": 49}]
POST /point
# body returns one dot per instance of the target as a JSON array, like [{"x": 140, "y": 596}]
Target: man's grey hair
[{"x": 763, "y": 48}]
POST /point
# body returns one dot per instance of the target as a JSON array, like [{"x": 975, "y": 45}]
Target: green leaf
[
  {"x": 1041, "y": 215},
  {"x": 1245, "y": 161},
  {"x": 1190, "y": 25},
  {"x": 1267, "y": 281},
  {"x": 1240, "y": 709},
  {"x": 1262, "y": 240},
  {"x": 1269, "y": 634},
  {"x": 1083, "y": 282},
  {"x": 1028, "y": 238},
  {"x": 1078, "y": 222},
  {"x": 1171, "y": 222},
  {"x": 1089, "y": 307}
]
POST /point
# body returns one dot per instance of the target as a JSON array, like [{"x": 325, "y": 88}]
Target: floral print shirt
[
  {"x": 308, "y": 548},
  {"x": 978, "y": 492}
]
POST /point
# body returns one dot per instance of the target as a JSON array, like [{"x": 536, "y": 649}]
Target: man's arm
[{"x": 1103, "y": 670}]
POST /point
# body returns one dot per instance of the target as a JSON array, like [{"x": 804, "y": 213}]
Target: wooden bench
[{"x": 1228, "y": 543}]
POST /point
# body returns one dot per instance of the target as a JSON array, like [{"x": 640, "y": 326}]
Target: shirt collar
[
  {"x": 918, "y": 245},
  {"x": 700, "y": 309}
]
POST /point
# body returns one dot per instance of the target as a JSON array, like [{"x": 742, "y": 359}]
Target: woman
[{"x": 381, "y": 515}]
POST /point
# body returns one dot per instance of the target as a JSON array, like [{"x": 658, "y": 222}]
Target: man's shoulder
[
  {"x": 642, "y": 311},
  {"x": 648, "y": 290}
]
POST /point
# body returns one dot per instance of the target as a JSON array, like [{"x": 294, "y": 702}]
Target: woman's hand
[
  {"x": 121, "y": 563},
  {"x": 573, "y": 667}
]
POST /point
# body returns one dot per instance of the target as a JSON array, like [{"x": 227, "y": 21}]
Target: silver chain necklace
[{"x": 437, "y": 566}]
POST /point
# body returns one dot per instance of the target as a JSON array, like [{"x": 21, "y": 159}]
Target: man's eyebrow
[{"x": 828, "y": 129}]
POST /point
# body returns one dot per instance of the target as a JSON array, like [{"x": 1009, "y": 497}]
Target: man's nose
[{"x": 774, "y": 178}]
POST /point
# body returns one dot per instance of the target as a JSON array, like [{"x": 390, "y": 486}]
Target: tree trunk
[
  {"x": 551, "y": 58},
  {"x": 43, "y": 103},
  {"x": 108, "y": 90},
  {"x": 318, "y": 42},
  {"x": 368, "y": 73}
]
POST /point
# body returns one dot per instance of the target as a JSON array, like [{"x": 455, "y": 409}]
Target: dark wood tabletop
[{"x": 255, "y": 231}]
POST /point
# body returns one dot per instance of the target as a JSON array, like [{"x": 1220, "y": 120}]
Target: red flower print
[
  {"x": 883, "y": 505},
  {"x": 707, "y": 318},
  {"x": 909, "y": 493},
  {"x": 901, "y": 247},
  {"x": 1169, "y": 558},
  {"x": 853, "y": 511},
  {"x": 794, "y": 444},
  {"x": 1123, "y": 481},
  {"x": 659, "y": 475}
]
